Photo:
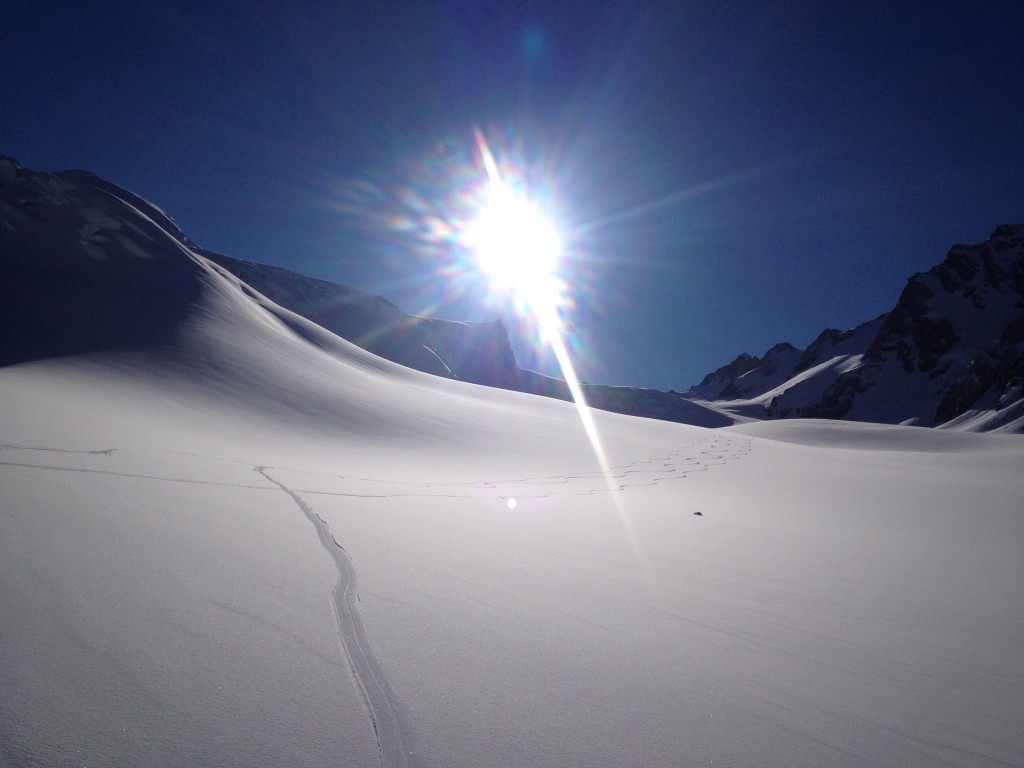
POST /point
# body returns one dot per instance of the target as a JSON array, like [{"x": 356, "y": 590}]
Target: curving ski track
[
  {"x": 393, "y": 738},
  {"x": 385, "y": 716}
]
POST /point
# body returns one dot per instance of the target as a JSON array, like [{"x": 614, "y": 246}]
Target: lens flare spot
[{"x": 535, "y": 42}]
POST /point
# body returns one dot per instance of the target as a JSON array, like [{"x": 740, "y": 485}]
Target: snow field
[{"x": 851, "y": 595}]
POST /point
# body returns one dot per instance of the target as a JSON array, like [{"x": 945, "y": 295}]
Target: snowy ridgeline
[
  {"x": 950, "y": 353},
  {"x": 232, "y": 538}
]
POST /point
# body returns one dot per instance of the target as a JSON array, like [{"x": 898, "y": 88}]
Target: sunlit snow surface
[{"x": 256, "y": 547}]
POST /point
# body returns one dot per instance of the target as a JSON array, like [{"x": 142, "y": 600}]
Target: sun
[
  {"x": 519, "y": 249},
  {"x": 516, "y": 245}
]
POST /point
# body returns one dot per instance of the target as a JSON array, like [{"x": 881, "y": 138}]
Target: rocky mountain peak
[
  {"x": 951, "y": 351},
  {"x": 747, "y": 374}
]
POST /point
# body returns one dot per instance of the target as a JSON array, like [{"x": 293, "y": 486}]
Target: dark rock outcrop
[
  {"x": 945, "y": 333},
  {"x": 952, "y": 343},
  {"x": 995, "y": 376},
  {"x": 748, "y": 376}
]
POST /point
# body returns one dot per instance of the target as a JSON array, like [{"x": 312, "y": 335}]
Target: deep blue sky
[{"x": 737, "y": 173}]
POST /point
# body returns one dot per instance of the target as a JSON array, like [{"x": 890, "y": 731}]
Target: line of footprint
[{"x": 698, "y": 457}]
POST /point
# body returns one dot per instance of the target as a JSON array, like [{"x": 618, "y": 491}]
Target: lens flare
[
  {"x": 489, "y": 233},
  {"x": 520, "y": 248}
]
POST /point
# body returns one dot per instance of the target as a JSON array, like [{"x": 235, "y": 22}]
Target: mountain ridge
[
  {"x": 950, "y": 353},
  {"x": 56, "y": 226}
]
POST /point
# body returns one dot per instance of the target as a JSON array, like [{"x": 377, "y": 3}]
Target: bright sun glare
[
  {"x": 516, "y": 245},
  {"x": 519, "y": 248}
]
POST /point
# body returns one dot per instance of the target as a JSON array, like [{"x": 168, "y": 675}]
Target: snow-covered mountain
[
  {"x": 80, "y": 212},
  {"x": 106, "y": 225},
  {"x": 950, "y": 354},
  {"x": 748, "y": 376},
  {"x": 230, "y": 537}
]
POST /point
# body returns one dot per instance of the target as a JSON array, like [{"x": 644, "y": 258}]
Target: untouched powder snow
[{"x": 259, "y": 545}]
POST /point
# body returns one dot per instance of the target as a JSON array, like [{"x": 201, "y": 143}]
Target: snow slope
[
  {"x": 170, "y": 592},
  {"x": 236, "y": 539}
]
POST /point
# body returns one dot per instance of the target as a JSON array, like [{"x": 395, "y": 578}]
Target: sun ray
[
  {"x": 432, "y": 210},
  {"x": 520, "y": 248}
]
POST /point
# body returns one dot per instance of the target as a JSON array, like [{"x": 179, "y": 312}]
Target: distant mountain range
[
  {"x": 950, "y": 354},
  {"x": 88, "y": 266}
]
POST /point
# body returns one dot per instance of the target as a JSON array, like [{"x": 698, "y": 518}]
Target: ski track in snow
[
  {"x": 385, "y": 716},
  {"x": 392, "y": 736}
]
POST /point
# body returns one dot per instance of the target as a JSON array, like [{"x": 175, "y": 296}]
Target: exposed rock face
[
  {"x": 961, "y": 311},
  {"x": 994, "y": 379},
  {"x": 952, "y": 343},
  {"x": 821, "y": 348},
  {"x": 748, "y": 376}
]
